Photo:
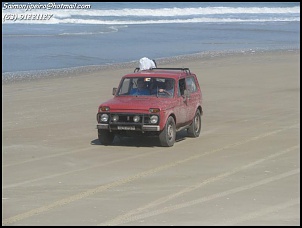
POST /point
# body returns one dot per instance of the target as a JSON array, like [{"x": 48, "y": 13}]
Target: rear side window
[{"x": 191, "y": 84}]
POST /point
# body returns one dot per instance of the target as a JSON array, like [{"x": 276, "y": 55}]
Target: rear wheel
[
  {"x": 168, "y": 135},
  {"x": 105, "y": 137},
  {"x": 195, "y": 127}
]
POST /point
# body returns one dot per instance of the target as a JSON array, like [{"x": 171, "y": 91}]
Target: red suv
[{"x": 157, "y": 102}]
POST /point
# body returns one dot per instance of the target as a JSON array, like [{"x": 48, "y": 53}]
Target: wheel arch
[
  {"x": 166, "y": 117},
  {"x": 200, "y": 109},
  {"x": 174, "y": 117}
]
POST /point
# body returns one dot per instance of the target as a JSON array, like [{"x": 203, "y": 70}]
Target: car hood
[{"x": 139, "y": 103}]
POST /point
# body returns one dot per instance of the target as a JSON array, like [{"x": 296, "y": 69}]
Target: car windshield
[{"x": 147, "y": 86}]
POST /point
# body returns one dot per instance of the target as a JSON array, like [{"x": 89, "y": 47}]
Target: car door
[
  {"x": 193, "y": 97},
  {"x": 182, "y": 105}
]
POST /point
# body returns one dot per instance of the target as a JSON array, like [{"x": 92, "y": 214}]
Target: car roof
[{"x": 161, "y": 72}]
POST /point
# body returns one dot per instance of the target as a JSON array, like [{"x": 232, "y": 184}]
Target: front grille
[
  {"x": 128, "y": 118},
  {"x": 125, "y": 118}
]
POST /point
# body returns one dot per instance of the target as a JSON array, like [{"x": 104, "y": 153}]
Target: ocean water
[{"x": 42, "y": 39}]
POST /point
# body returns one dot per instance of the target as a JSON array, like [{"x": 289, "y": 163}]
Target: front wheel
[
  {"x": 195, "y": 127},
  {"x": 105, "y": 137},
  {"x": 168, "y": 135}
]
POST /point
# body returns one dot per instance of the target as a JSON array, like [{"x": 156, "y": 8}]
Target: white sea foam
[
  {"x": 165, "y": 12},
  {"x": 160, "y": 15},
  {"x": 13, "y": 77}
]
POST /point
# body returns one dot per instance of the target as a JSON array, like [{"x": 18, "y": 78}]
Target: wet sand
[{"x": 244, "y": 169}]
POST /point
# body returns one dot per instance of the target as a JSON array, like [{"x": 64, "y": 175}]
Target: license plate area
[{"x": 128, "y": 128}]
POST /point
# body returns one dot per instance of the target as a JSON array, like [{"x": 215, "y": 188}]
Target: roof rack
[{"x": 187, "y": 70}]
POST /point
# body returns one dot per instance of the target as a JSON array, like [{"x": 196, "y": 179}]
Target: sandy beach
[{"x": 244, "y": 169}]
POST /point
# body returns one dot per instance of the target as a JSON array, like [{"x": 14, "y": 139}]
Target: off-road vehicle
[{"x": 158, "y": 111}]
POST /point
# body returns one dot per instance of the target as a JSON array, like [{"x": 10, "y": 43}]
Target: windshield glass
[{"x": 148, "y": 86}]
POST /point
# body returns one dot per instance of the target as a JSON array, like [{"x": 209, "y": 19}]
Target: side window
[
  {"x": 191, "y": 84},
  {"x": 181, "y": 87}
]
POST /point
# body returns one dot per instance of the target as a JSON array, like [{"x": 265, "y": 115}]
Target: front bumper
[{"x": 129, "y": 128}]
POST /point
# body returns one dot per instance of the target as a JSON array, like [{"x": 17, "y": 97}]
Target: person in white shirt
[{"x": 146, "y": 64}]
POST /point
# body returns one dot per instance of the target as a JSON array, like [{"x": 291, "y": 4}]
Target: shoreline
[{"x": 21, "y": 76}]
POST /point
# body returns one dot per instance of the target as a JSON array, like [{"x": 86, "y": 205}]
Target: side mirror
[
  {"x": 114, "y": 90},
  {"x": 187, "y": 94}
]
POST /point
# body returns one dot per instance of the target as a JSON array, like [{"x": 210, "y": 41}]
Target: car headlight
[
  {"x": 115, "y": 118},
  {"x": 104, "y": 117},
  {"x": 136, "y": 119},
  {"x": 153, "y": 119}
]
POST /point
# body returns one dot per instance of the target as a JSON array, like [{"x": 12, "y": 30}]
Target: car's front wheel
[
  {"x": 195, "y": 127},
  {"x": 105, "y": 137},
  {"x": 168, "y": 135}
]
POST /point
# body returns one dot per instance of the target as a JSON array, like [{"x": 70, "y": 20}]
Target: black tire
[
  {"x": 105, "y": 137},
  {"x": 168, "y": 135},
  {"x": 195, "y": 127}
]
